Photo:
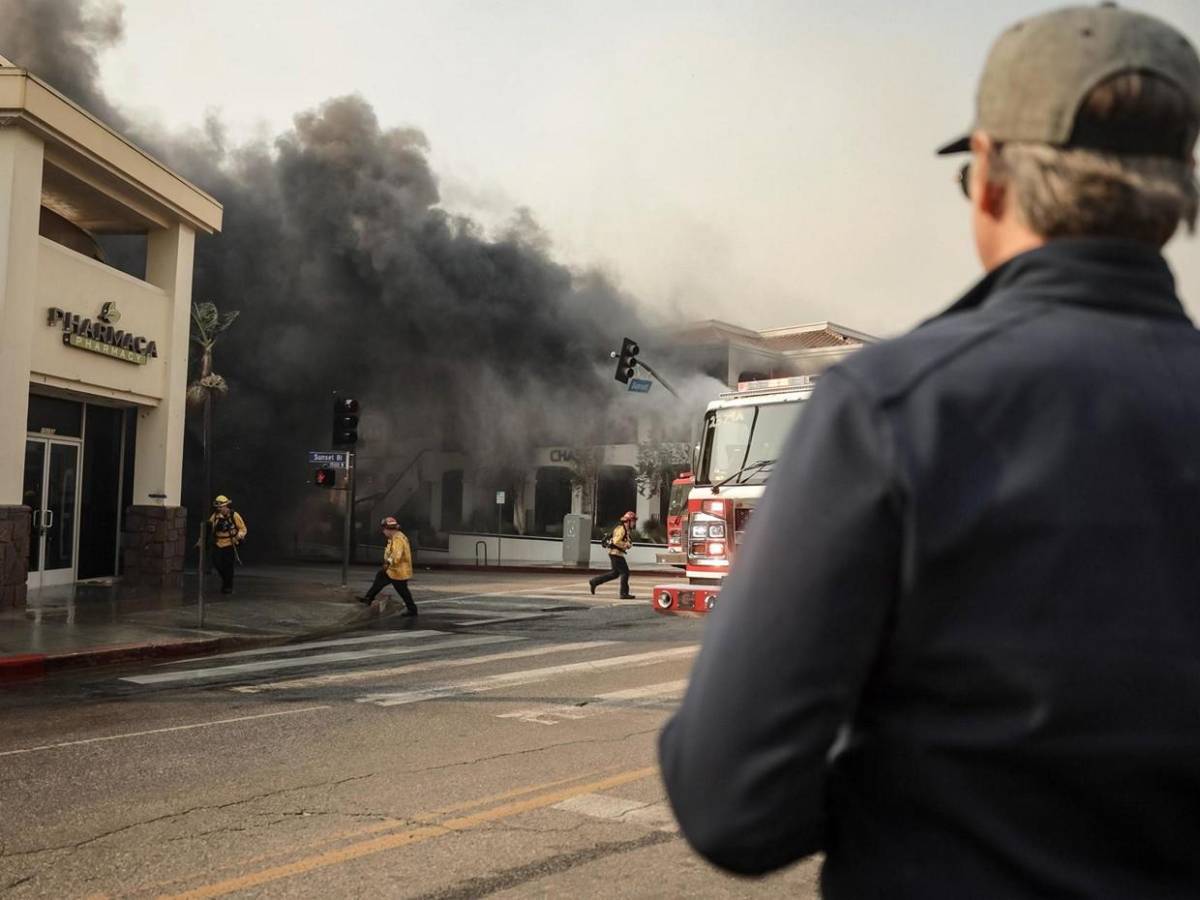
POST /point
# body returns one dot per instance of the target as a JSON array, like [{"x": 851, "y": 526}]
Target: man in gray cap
[{"x": 960, "y": 653}]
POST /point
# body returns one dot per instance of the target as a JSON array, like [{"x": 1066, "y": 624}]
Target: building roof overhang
[{"x": 125, "y": 185}]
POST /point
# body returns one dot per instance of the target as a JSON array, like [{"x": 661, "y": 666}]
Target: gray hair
[
  {"x": 1085, "y": 190},
  {"x": 1064, "y": 192}
]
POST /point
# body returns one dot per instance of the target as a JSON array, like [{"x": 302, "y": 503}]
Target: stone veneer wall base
[
  {"x": 154, "y": 541},
  {"x": 14, "y": 556}
]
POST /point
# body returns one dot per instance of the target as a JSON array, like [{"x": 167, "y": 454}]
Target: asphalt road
[{"x": 502, "y": 744}]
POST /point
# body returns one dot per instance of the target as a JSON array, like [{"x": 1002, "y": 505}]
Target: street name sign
[
  {"x": 330, "y": 459},
  {"x": 640, "y": 385}
]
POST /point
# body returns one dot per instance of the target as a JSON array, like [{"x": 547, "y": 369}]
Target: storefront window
[
  {"x": 552, "y": 500},
  {"x": 616, "y": 493},
  {"x": 52, "y": 415}
]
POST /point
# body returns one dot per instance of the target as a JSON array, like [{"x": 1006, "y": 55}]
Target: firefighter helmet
[
  {"x": 389, "y": 522},
  {"x": 629, "y": 516},
  {"x": 221, "y": 500}
]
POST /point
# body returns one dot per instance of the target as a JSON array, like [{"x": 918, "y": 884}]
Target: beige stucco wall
[
  {"x": 72, "y": 282},
  {"x": 20, "y": 192},
  {"x": 51, "y": 151}
]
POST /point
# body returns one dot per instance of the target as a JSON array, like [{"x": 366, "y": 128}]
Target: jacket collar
[{"x": 1103, "y": 273}]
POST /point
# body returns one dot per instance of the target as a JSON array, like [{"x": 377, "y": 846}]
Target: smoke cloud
[
  {"x": 350, "y": 278},
  {"x": 64, "y": 41}
]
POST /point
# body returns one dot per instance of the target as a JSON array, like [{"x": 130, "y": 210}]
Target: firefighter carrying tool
[
  {"x": 743, "y": 433},
  {"x": 229, "y": 530}
]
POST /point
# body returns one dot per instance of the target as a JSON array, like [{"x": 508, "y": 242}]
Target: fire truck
[
  {"x": 742, "y": 435},
  {"x": 675, "y": 555}
]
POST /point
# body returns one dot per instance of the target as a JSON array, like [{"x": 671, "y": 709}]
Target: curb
[
  {"x": 27, "y": 666},
  {"x": 31, "y": 666}
]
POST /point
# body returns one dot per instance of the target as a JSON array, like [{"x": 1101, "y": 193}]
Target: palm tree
[{"x": 207, "y": 324}]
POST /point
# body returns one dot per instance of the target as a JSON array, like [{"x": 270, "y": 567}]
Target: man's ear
[
  {"x": 993, "y": 196},
  {"x": 989, "y": 197}
]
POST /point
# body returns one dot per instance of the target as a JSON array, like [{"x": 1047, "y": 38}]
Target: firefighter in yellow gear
[
  {"x": 397, "y": 566},
  {"x": 229, "y": 530},
  {"x": 619, "y": 543}
]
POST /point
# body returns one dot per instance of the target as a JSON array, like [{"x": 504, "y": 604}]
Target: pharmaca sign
[{"x": 102, "y": 336}]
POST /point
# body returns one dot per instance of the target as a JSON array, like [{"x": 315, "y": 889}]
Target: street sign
[
  {"x": 499, "y": 498},
  {"x": 329, "y": 459},
  {"x": 640, "y": 385}
]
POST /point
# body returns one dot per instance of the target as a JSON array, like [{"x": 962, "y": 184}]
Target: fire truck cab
[
  {"x": 742, "y": 435},
  {"x": 676, "y": 512}
]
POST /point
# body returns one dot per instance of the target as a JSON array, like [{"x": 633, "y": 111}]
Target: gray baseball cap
[{"x": 1041, "y": 70}]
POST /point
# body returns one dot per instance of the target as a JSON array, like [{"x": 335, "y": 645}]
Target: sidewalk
[{"x": 91, "y": 624}]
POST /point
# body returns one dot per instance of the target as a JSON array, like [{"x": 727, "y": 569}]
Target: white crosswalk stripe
[
  {"x": 309, "y": 645},
  {"x": 554, "y": 713},
  {"x": 413, "y": 668},
  {"x": 318, "y": 659},
  {"x": 529, "y": 676},
  {"x": 585, "y": 597},
  {"x": 657, "y": 816}
]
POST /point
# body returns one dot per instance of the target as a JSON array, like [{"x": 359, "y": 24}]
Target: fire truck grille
[
  {"x": 687, "y": 600},
  {"x": 741, "y": 518}
]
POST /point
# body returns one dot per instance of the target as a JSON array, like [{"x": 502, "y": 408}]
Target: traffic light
[
  {"x": 626, "y": 361},
  {"x": 345, "y": 422},
  {"x": 325, "y": 477}
]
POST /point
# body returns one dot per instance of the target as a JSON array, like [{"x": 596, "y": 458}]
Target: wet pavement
[
  {"x": 272, "y": 602},
  {"x": 501, "y": 745},
  {"x": 89, "y": 623}
]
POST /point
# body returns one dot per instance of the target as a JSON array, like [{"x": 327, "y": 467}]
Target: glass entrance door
[{"x": 52, "y": 494}]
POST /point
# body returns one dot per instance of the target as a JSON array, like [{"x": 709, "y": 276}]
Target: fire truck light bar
[{"x": 776, "y": 384}]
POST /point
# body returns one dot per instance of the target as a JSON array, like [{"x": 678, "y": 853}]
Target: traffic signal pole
[
  {"x": 659, "y": 379},
  {"x": 628, "y": 363},
  {"x": 348, "y": 526},
  {"x": 345, "y": 434}
]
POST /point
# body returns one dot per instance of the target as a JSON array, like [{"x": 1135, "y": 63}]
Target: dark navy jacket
[{"x": 960, "y": 653}]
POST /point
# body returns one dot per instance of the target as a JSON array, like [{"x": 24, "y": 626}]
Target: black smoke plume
[{"x": 349, "y": 277}]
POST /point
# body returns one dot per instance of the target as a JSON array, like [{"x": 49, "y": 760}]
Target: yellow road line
[
  {"x": 407, "y": 838},
  {"x": 384, "y": 825}
]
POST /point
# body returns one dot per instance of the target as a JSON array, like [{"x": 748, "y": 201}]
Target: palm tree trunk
[{"x": 204, "y": 502}]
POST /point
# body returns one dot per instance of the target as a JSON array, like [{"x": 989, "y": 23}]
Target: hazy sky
[{"x": 768, "y": 163}]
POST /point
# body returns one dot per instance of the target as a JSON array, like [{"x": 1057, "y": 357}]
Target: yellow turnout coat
[{"x": 397, "y": 558}]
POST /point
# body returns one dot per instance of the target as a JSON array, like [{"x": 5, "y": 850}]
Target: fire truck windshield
[
  {"x": 679, "y": 498},
  {"x": 738, "y": 435}
]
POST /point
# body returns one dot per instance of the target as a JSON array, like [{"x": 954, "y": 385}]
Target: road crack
[
  {"x": 505, "y": 879},
  {"x": 540, "y": 749},
  {"x": 166, "y": 817}
]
